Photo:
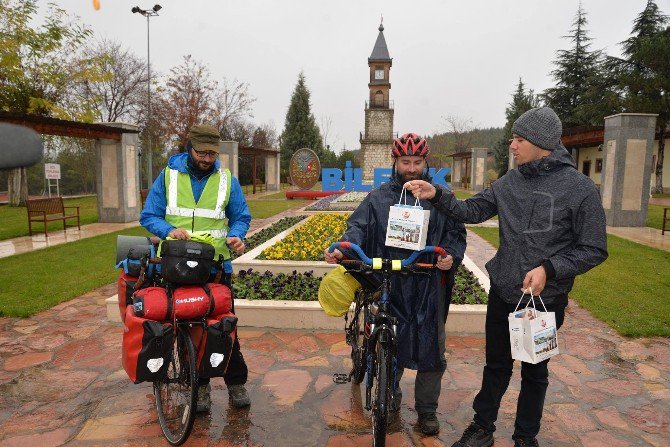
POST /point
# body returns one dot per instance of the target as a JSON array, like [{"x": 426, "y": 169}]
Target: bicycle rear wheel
[
  {"x": 356, "y": 338},
  {"x": 176, "y": 392},
  {"x": 381, "y": 395}
]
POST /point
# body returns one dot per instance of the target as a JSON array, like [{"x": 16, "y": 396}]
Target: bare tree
[
  {"x": 119, "y": 91},
  {"x": 233, "y": 102},
  {"x": 185, "y": 100},
  {"x": 461, "y": 129},
  {"x": 326, "y": 125},
  {"x": 265, "y": 136}
]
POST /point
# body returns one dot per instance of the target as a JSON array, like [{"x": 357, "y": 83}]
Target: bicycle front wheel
[
  {"x": 381, "y": 395},
  {"x": 358, "y": 345},
  {"x": 176, "y": 392}
]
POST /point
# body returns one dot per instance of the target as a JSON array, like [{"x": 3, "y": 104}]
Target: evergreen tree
[
  {"x": 300, "y": 128},
  {"x": 644, "y": 73},
  {"x": 577, "y": 70},
  {"x": 522, "y": 101}
]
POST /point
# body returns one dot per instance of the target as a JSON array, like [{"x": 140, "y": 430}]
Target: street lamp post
[{"x": 148, "y": 13}]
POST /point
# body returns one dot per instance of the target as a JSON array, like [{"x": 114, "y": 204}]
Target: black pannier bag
[
  {"x": 214, "y": 356},
  {"x": 186, "y": 262}
]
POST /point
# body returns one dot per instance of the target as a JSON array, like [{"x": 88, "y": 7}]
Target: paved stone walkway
[{"x": 61, "y": 383}]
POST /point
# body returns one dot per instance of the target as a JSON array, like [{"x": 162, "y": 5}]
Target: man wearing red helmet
[{"x": 420, "y": 303}]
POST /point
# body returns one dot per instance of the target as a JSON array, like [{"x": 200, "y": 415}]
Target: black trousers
[
  {"x": 237, "y": 371},
  {"x": 498, "y": 371}
]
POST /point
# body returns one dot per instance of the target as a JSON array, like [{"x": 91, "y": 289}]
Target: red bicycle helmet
[{"x": 410, "y": 144}]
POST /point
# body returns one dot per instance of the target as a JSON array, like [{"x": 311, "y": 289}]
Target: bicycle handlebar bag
[{"x": 186, "y": 262}]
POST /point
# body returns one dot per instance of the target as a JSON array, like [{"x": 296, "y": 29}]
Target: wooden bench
[
  {"x": 48, "y": 210},
  {"x": 666, "y": 219}
]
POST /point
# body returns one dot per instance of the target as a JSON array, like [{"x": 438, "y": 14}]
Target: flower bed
[
  {"x": 252, "y": 285},
  {"x": 353, "y": 196},
  {"x": 330, "y": 203},
  {"x": 268, "y": 233},
  {"x": 308, "y": 242}
]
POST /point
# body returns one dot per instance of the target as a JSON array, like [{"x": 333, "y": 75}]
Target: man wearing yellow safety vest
[{"x": 192, "y": 195}]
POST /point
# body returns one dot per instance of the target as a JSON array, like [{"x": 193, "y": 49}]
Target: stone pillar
[
  {"x": 478, "y": 169},
  {"x": 228, "y": 156},
  {"x": 628, "y": 147},
  {"x": 455, "y": 172},
  {"x": 272, "y": 170},
  {"x": 117, "y": 176}
]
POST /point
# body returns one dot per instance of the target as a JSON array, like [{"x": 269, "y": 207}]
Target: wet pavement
[{"x": 61, "y": 383}]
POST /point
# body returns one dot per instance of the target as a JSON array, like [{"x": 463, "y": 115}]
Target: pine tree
[
  {"x": 300, "y": 128},
  {"x": 522, "y": 101},
  {"x": 577, "y": 69},
  {"x": 644, "y": 73}
]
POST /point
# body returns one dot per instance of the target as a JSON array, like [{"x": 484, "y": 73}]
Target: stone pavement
[{"x": 61, "y": 383}]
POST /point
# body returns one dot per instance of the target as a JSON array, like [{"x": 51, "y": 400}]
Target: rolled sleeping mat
[{"x": 125, "y": 243}]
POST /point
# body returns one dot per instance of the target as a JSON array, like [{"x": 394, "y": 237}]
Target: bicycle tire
[
  {"x": 381, "y": 395},
  {"x": 176, "y": 393},
  {"x": 358, "y": 346}
]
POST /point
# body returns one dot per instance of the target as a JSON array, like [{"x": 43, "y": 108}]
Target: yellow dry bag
[{"x": 337, "y": 291}]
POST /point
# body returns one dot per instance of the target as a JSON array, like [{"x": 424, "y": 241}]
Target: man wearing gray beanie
[{"x": 552, "y": 228}]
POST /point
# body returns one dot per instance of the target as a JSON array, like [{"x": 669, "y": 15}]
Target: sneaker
[
  {"x": 396, "y": 400},
  {"x": 238, "y": 394},
  {"x": 525, "y": 442},
  {"x": 429, "y": 424},
  {"x": 475, "y": 436},
  {"x": 204, "y": 399}
]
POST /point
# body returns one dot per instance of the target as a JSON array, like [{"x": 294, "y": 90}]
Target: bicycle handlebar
[{"x": 369, "y": 261}]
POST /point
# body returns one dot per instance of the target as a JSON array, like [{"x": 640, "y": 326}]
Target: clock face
[{"x": 379, "y": 74}]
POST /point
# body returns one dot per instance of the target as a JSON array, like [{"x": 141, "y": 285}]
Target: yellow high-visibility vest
[{"x": 206, "y": 216}]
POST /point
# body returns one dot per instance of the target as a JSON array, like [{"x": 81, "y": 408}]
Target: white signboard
[{"x": 52, "y": 171}]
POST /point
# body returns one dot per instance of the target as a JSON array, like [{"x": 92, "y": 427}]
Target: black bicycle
[{"x": 371, "y": 333}]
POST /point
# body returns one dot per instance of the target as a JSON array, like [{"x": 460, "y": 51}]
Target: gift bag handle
[
  {"x": 531, "y": 300},
  {"x": 404, "y": 193}
]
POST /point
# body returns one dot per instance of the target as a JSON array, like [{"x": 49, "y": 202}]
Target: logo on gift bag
[{"x": 405, "y": 214}]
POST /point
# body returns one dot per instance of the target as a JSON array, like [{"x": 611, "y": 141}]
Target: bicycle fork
[{"x": 385, "y": 335}]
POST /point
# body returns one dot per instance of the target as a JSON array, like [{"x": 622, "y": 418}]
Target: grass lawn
[
  {"x": 36, "y": 281},
  {"x": 661, "y": 196},
  {"x": 629, "y": 291},
  {"x": 262, "y": 208},
  {"x": 655, "y": 216},
  {"x": 15, "y": 219}
]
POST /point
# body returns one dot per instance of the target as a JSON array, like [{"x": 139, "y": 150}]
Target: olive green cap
[{"x": 204, "y": 137}]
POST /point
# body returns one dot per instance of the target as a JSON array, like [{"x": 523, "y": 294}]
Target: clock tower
[{"x": 377, "y": 139}]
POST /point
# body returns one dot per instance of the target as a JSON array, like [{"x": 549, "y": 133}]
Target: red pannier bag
[
  {"x": 187, "y": 302},
  {"x": 147, "y": 347},
  {"x": 214, "y": 344}
]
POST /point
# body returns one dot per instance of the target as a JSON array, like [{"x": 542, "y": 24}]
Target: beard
[
  {"x": 204, "y": 165},
  {"x": 409, "y": 176}
]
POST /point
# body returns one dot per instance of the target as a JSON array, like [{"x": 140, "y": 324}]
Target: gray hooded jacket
[{"x": 549, "y": 214}]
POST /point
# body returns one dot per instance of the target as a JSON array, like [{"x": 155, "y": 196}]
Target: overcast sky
[{"x": 460, "y": 58}]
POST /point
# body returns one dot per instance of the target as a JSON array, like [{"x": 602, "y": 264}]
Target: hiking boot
[
  {"x": 396, "y": 400},
  {"x": 204, "y": 399},
  {"x": 475, "y": 436},
  {"x": 238, "y": 394},
  {"x": 428, "y": 424},
  {"x": 525, "y": 442}
]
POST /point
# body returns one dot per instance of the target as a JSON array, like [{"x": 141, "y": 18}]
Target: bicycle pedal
[{"x": 341, "y": 378}]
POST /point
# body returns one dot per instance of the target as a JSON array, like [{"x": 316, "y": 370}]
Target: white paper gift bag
[
  {"x": 533, "y": 334},
  {"x": 407, "y": 225}
]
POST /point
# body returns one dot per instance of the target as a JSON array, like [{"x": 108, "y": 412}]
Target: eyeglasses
[{"x": 206, "y": 154}]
